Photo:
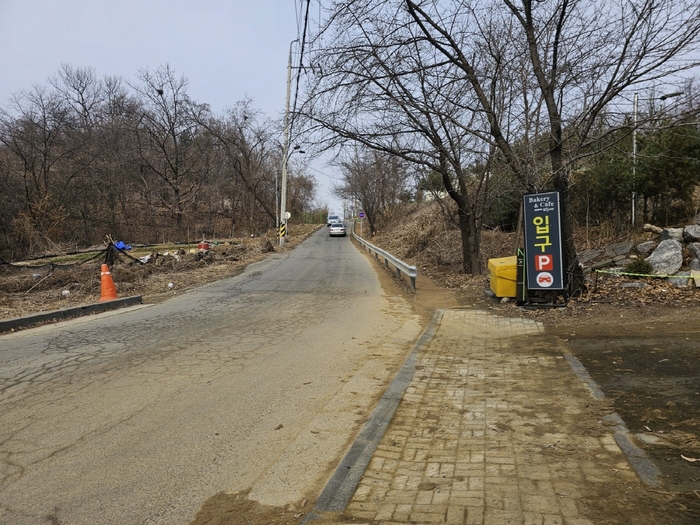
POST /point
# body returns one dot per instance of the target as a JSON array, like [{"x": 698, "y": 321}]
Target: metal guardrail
[{"x": 400, "y": 266}]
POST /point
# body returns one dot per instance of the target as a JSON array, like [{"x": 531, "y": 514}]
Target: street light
[
  {"x": 296, "y": 149},
  {"x": 634, "y": 146},
  {"x": 671, "y": 95}
]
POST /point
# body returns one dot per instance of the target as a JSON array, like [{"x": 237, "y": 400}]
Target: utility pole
[
  {"x": 285, "y": 148},
  {"x": 634, "y": 159}
]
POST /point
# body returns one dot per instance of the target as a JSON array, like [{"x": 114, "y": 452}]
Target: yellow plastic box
[{"x": 503, "y": 276}]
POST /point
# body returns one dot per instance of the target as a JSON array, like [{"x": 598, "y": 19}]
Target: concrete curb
[
  {"x": 68, "y": 313},
  {"x": 341, "y": 487},
  {"x": 647, "y": 471}
]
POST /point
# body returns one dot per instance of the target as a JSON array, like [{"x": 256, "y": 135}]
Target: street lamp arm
[{"x": 670, "y": 95}]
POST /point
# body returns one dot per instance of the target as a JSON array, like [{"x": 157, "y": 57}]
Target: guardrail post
[{"x": 410, "y": 271}]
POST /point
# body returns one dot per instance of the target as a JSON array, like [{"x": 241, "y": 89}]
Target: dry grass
[
  {"x": 47, "y": 285},
  {"x": 425, "y": 240}
]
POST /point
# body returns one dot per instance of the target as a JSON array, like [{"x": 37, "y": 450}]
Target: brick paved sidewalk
[{"x": 494, "y": 428}]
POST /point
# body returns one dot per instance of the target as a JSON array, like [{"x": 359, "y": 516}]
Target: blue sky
[{"x": 227, "y": 49}]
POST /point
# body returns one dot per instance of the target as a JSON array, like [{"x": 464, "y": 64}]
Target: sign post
[
  {"x": 361, "y": 215},
  {"x": 544, "y": 265}
]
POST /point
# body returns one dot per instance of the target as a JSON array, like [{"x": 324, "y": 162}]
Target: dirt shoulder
[{"x": 58, "y": 282}]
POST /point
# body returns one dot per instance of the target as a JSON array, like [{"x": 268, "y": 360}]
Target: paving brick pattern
[{"x": 490, "y": 431}]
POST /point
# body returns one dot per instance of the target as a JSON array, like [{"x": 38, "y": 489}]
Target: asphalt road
[{"x": 257, "y": 382}]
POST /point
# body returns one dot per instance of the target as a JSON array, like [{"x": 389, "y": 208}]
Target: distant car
[
  {"x": 332, "y": 219},
  {"x": 337, "y": 229}
]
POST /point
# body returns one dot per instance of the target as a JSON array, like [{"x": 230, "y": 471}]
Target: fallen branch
[{"x": 41, "y": 280}]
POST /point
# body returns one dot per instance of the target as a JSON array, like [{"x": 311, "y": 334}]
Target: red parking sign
[{"x": 544, "y": 263}]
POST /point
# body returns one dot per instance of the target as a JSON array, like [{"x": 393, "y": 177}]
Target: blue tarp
[{"x": 121, "y": 246}]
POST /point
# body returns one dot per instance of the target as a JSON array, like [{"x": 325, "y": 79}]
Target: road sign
[
  {"x": 543, "y": 251},
  {"x": 361, "y": 215}
]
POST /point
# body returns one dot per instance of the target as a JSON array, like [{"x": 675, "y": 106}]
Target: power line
[{"x": 301, "y": 62}]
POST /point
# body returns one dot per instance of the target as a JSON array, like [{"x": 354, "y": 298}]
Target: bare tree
[
  {"x": 448, "y": 83},
  {"x": 82, "y": 157},
  {"x": 301, "y": 191},
  {"x": 83, "y": 93},
  {"x": 380, "y": 83},
  {"x": 11, "y": 207},
  {"x": 252, "y": 159},
  {"x": 70, "y": 146},
  {"x": 172, "y": 143},
  {"x": 117, "y": 171},
  {"x": 87, "y": 99},
  {"x": 37, "y": 132},
  {"x": 375, "y": 180}
]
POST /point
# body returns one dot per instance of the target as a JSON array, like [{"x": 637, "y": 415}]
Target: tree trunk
[
  {"x": 471, "y": 261},
  {"x": 574, "y": 278}
]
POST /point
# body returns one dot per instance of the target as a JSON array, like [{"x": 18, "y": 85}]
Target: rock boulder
[
  {"x": 645, "y": 248},
  {"x": 691, "y": 233},
  {"x": 694, "y": 251},
  {"x": 672, "y": 233},
  {"x": 680, "y": 280},
  {"x": 667, "y": 258}
]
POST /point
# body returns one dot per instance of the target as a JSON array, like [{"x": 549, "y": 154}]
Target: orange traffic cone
[{"x": 108, "y": 291}]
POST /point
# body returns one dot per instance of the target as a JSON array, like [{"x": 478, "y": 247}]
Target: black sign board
[{"x": 543, "y": 254}]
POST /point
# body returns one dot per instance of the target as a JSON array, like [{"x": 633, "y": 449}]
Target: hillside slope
[{"x": 422, "y": 237}]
